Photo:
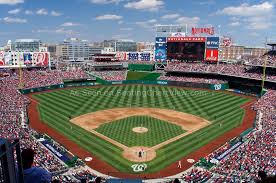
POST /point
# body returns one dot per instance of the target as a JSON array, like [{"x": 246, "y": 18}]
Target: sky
[{"x": 248, "y": 22}]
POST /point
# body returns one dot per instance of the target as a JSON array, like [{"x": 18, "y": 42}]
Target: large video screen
[{"x": 190, "y": 51}]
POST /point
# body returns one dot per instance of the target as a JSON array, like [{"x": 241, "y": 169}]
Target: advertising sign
[
  {"x": 145, "y": 56},
  {"x": 211, "y": 55},
  {"x": 133, "y": 56},
  {"x": 226, "y": 42},
  {"x": 186, "y": 39},
  {"x": 160, "y": 49},
  {"x": 27, "y": 58},
  {"x": 2, "y": 58},
  {"x": 8, "y": 58},
  {"x": 41, "y": 58},
  {"x": 212, "y": 42},
  {"x": 121, "y": 56},
  {"x": 206, "y": 30}
]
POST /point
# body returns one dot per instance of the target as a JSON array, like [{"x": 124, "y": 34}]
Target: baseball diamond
[{"x": 88, "y": 117}]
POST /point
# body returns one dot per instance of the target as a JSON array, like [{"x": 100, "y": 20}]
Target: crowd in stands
[
  {"x": 197, "y": 175},
  {"x": 244, "y": 163},
  {"x": 256, "y": 154},
  {"x": 191, "y": 79},
  {"x": 226, "y": 69},
  {"x": 111, "y": 75},
  {"x": 270, "y": 61},
  {"x": 13, "y": 110}
]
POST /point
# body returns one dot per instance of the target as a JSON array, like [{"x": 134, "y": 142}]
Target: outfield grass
[
  {"x": 121, "y": 131},
  {"x": 144, "y": 76},
  {"x": 220, "y": 108}
]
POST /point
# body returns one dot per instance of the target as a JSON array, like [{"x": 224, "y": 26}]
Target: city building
[
  {"x": 74, "y": 50},
  {"x": 235, "y": 52},
  {"x": 121, "y": 45},
  {"x": 31, "y": 45}
]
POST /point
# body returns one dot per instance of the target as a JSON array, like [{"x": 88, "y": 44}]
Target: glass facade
[{"x": 30, "y": 45}]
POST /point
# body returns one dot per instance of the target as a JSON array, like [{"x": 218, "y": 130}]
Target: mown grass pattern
[
  {"x": 158, "y": 131},
  {"x": 223, "y": 110}
]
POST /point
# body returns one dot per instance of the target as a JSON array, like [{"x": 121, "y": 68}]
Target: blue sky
[{"x": 248, "y": 22}]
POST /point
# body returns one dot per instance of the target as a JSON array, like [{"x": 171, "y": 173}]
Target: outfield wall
[{"x": 223, "y": 86}]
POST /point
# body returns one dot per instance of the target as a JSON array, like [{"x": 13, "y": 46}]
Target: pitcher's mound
[
  {"x": 139, "y": 154},
  {"x": 140, "y": 129}
]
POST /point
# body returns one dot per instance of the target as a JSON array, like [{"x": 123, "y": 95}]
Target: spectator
[{"x": 33, "y": 174}]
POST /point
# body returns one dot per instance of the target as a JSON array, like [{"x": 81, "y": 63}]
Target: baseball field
[{"x": 128, "y": 124}]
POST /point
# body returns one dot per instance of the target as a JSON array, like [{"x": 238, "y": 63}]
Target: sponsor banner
[
  {"x": 2, "y": 58},
  {"x": 186, "y": 39},
  {"x": 121, "y": 55},
  {"x": 117, "y": 82},
  {"x": 226, "y": 41},
  {"x": 144, "y": 56},
  {"x": 211, "y": 55},
  {"x": 162, "y": 82},
  {"x": 212, "y": 42},
  {"x": 59, "y": 154},
  {"x": 8, "y": 58},
  {"x": 178, "y": 34},
  {"x": 206, "y": 30},
  {"x": 160, "y": 49},
  {"x": 41, "y": 59},
  {"x": 133, "y": 56},
  {"x": 228, "y": 151},
  {"x": 27, "y": 57}
]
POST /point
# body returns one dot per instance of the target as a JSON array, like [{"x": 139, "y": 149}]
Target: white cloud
[
  {"x": 42, "y": 11},
  {"x": 105, "y": 1},
  {"x": 190, "y": 21},
  {"x": 234, "y": 24},
  {"x": 55, "y": 13},
  {"x": 126, "y": 29},
  {"x": 150, "y": 5},
  {"x": 66, "y": 31},
  {"x": 246, "y": 10},
  {"x": 69, "y": 24},
  {"x": 120, "y": 22},
  {"x": 14, "y": 20},
  {"x": 56, "y": 31},
  {"x": 11, "y": 2},
  {"x": 29, "y": 12},
  {"x": 170, "y": 16},
  {"x": 14, "y": 11},
  {"x": 147, "y": 24},
  {"x": 109, "y": 17},
  {"x": 256, "y": 17}
]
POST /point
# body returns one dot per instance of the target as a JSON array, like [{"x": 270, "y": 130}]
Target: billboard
[
  {"x": 41, "y": 59},
  {"x": 186, "y": 39},
  {"x": 192, "y": 51},
  {"x": 226, "y": 41},
  {"x": 212, "y": 42},
  {"x": 144, "y": 56},
  {"x": 211, "y": 55},
  {"x": 121, "y": 56},
  {"x": 8, "y": 58},
  {"x": 27, "y": 57},
  {"x": 205, "y": 30},
  {"x": 133, "y": 56},
  {"x": 160, "y": 48},
  {"x": 2, "y": 58}
]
